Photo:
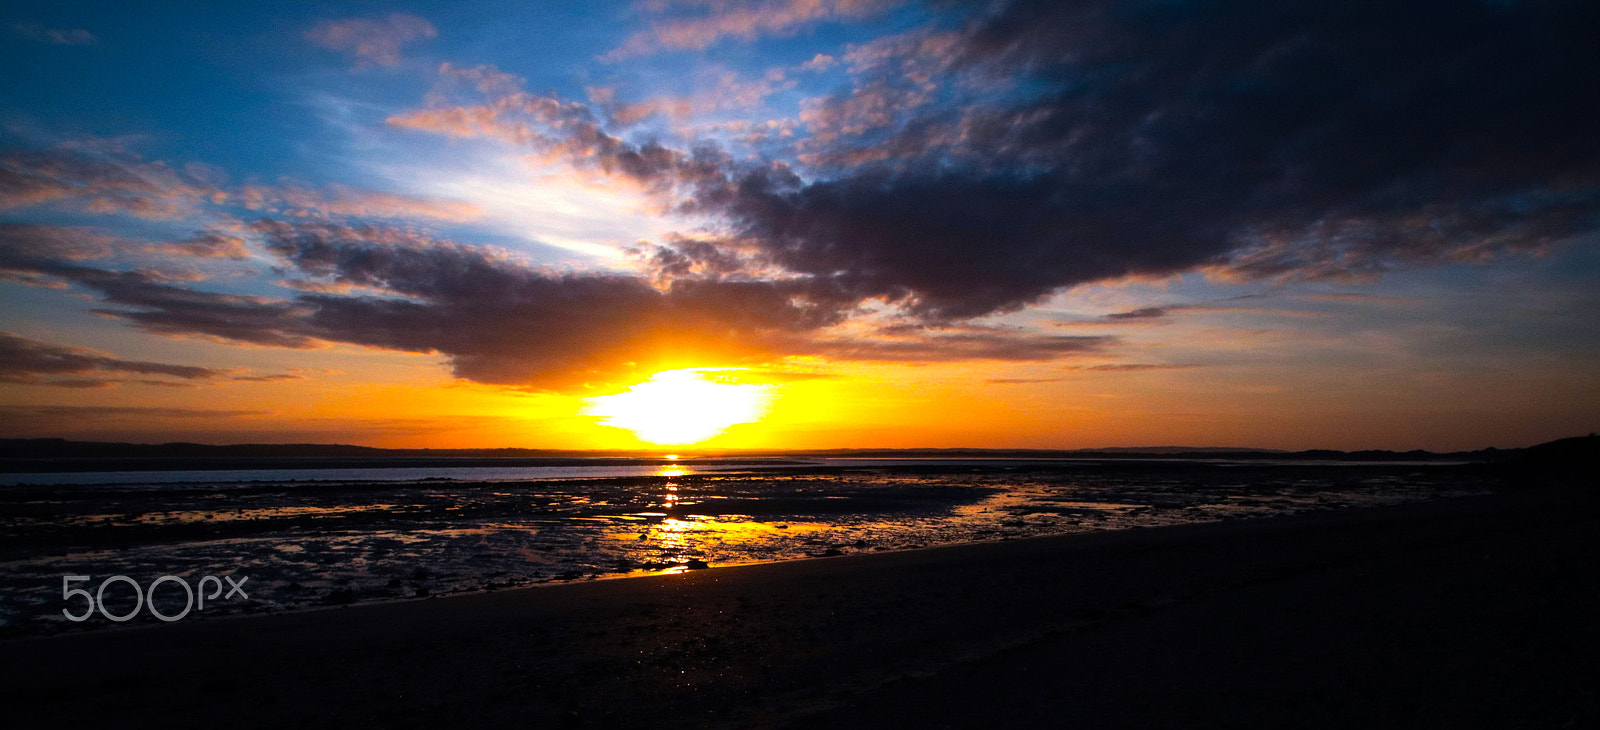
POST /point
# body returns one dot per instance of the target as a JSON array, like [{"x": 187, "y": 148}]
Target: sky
[{"x": 801, "y": 223}]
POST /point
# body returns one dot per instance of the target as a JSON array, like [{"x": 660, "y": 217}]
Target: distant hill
[
  {"x": 54, "y": 455},
  {"x": 1568, "y": 458},
  {"x": 1146, "y": 452},
  {"x": 62, "y": 448},
  {"x": 58, "y": 455},
  {"x": 1043, "y": 453}
]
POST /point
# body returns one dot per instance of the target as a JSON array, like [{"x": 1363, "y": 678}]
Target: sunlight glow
[{"x": 681, "y": 406}]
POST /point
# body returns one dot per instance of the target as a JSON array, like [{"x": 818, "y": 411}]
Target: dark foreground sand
[{"x": 1475, "y": 612}]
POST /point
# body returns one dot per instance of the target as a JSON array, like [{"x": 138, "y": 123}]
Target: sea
[{"x": 82, "y": 551}]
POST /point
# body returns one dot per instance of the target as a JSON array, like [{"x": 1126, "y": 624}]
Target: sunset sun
[{"x": 681, "y": 406}]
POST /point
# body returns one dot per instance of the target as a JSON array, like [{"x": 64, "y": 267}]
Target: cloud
[
  {"x": 1250, "y": 304},
  {"x": 274, "y": 378},
  {"x": 1045, "y": 145},
  {"x": 148, "y": 299},
  {"x": 1326, "y": 141},
  {"x": 98, "y": 178},
  {"x": 820, "y": 62},
  {"x": 498, "y": 320},
  {"x": 23, "y": 242},
  {"x": 207, "y": 244},
  {"x": 950, "y": 344},
  {"x": 345, "y": 201},
  {"x": 32, "y": 362},
  {"x": 1040, "y": 146},
  {"x": 1358, "y": 298},
  {"x": 501, "y": 321},
  {"x": 372, "y": 41},
  {"x": 1133, "y": 367},
  {"x": 67, "y": 414},
  {"x": 746, "y": 21},
  {"x": 1142, "y": 313},
  {"x": 57, "y": 36},
  {"x": 715, "y": 89},
  {"x": 567, "y": 132}
]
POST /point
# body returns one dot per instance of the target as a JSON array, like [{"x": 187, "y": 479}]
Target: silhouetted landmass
[
  {"x": 60, "y": 455},
  {"x": 1568, "y": 458},
  {"x": 63, "y": 448},
  {"x": 1160, "y": 452}
]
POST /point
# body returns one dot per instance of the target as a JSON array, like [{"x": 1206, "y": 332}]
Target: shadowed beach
[{"x": 1463, "y": 612}]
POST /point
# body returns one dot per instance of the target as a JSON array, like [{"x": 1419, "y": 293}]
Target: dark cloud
[
  {"x": 28, "y": 361},
  {"x": 501, "y": 321},
  {"x": 24, "y": 245},
  {"x": 1040, "y": 145},
  {"x": 1130, "y": 367},
  {"x": 498, "y": 320},
  {"x": 170, "y": 309},
  {"x": 1077, "y": 142},
  {"x": 683, "y": 258},
  {"x": 1142, "y": 313},
  {"x": 970, "y": 344},
  {"x": 147, "y": 299},
  {"x": 1134, "y": 367}
]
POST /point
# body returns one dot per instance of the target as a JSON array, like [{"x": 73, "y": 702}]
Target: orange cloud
[
  {"x": 208, "y": 244},
  {"x": 742, "y": 21},
  {"x": 716, "y": 89}
]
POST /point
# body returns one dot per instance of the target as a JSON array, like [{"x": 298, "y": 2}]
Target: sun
[{"x": 681, "y": 406}]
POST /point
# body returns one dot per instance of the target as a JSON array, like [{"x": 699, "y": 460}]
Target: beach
[{"x": 1459, "y": 612}]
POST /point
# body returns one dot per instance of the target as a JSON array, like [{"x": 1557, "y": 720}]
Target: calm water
[{"x": 331, "y": 537}]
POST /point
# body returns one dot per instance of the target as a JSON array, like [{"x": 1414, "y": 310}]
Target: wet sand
[{"x": 1467, "y": 612}]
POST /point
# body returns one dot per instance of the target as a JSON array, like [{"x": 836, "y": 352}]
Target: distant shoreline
[{"x": 59, "y": 455}]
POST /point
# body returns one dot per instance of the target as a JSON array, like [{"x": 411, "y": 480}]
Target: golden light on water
[{"x": 681, "y": 406}]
